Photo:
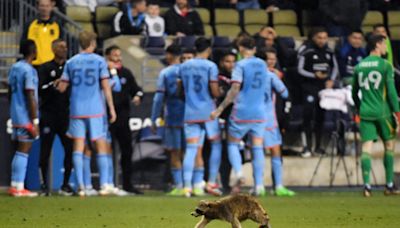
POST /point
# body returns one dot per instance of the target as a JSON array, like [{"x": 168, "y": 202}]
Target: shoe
[
  {"x": 132, "y": 189},
  {"x": 306, "y": 153},
  {"x": 367, "y": 192},
  {"x": 66, "y": 190},
  {"x": 22, "y": 193},
  {"x": 320, "y": 151},
  {"x": 213, "y": 189},
  {"x": 187, "y": 192},
  {"x": 391, "y": 191},
  {"x": 176, "y": 192},
  {"x": 44, "y": 191},
  {"x": 118, "y": 192},
  {"x": 199, "y": 192},
  {"x": 104, "y": 191},
  {"x": 236, "y": 189},
  {"x": 12, "y": 191},
  {"x": 282, "y": 191}
]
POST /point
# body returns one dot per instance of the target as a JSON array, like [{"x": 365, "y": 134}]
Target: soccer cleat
[
  {"x": 391, "y": 191},
  {"x": 104, "y": 191},
  {"x": 199, "y": 192},
  {"x": 213, "y": 189},
  {"x": 44, "y": 191},
  {"x": 187, "y": 192},
  {"x": 66, "y": 190},
  {"x": 176, "y": 192},
  {"x": 117, "y": 192},
  {"x": 236, "y": 189},
  {"x": 22, "y": 193},
  {"x": 367, "y": 192},
  {"x": 282, "y": 191},
  {"x": 12, "y": 191}
]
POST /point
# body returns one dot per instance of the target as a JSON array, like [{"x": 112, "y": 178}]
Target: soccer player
[
  {"x": 173, "y": 133},
  {"x": 23, "y": 81},
  {"x": 272, "y": 134},
  {"x": 87, "y": 74},
  {"x": 198, "y": 78},
  {"x": 249, "y": 85},
  {"x": 374, "y": 79}
]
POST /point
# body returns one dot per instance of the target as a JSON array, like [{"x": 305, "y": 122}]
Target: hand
[
  {"x": 320, "y": 75},
  {"x": 33, "y": 130},
  {"x": 56, "y": 82},
  {"x": 113, "y": 115},
  {"x": 215, "y": 114},
  {"x": 153, "y": 128},
  {"x": 136, "y": 100},
  {"x": 329, "y": 84},
  {"x": 180, "y": 34},
  {"x": 397, "y": 118},
  {"x": 111, "y": 65}
]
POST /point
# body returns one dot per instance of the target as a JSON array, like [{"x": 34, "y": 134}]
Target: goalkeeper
[{"x": 373, "y": 79}]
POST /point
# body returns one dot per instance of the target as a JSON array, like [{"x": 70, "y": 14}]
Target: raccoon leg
[
  {"x": 236, "y": 223},
  {"x": 261, "y": 217},
  {"x": 203, "y": 222}
]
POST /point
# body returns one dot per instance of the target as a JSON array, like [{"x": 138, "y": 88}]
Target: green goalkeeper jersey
[{"x": 374, "y": 78}]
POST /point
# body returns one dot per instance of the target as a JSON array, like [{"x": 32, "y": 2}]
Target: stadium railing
[{"x": 14, "y": 15}]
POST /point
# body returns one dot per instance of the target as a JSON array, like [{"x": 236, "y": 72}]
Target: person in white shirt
[{"x": 155, "y": 23}]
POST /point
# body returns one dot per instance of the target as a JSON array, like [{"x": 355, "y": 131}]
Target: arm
[
  {"x": 301, "y": 68},
  {"x": 170, "y": 24},
  {"x": 108, "y": 95},
  {"x": 158, "y": 98},
  {"x": 335, "y": 67},
  {"x": 354, "y": 92},
  {"x": 279, "y": 87},
  {"x": 135, "y": 90},
  {"x": 214, "y": 89},
  {"x": 230, "y": 97},
  {"x": 32, "y": 108},
  {"x": 391, "y": 90}
]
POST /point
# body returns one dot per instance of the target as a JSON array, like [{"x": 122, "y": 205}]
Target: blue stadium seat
[
  {"x": 221, "y": 42},
  {"x": 186, "y": 41},
  {"x": 153, "y": 45}
]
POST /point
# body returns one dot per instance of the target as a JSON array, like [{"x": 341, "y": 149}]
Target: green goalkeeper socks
[
  {"x": 388, "y": 163},
  {"x": 366, "y": 166}
]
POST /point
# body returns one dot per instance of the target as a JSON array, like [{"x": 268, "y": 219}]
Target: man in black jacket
[
  {"x": 181, "y": 20},
  {"x": 131, "y": 20},
  {"x": 318, "y": 69},
  {"x": 120, "y": 131},
  {"x": 54, "y": 115}
]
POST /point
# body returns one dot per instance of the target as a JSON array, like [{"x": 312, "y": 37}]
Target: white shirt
[
  {"x": 155, "y": 25},
  {"x": 336, "y": 99}
]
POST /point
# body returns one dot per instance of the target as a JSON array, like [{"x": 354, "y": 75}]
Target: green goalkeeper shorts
[{"x": 384, "y": 128}]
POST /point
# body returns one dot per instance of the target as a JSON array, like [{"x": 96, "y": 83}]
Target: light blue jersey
[
  {"x": 249, "y": 105},
  {"x": 274, "y": 86},
  {"x": 84, "y": 72},
  {"x": 22, "y": 76},
  {"x": 196, "y": 75},
  {"x": 167, "y": 90}
]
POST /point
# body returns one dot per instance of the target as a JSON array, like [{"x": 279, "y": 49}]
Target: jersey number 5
[{"x": 374, "y": 77}]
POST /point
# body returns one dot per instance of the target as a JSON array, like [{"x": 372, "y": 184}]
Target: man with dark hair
[
  {"x": 173, "y": 130},
  {"x": 131, "y": 20},
  {"x": 120, "y": 131},
  {"x": 188, "y": 54},
  {"x": 54, "y": 116},
  {"x": 380, "y": 29},
  {"x": 378, "y": 108},
  {"x": 350, "y": 54},
  {"x": 87, "y": 74},
  {"x": 43, "y": 30},
  {"x": 182, "y": 20},
  {"x": 249, "y": 85},
  {"x": 318, "y": 69},
  {"x": 23, "y": 81},
  {"x": 198, "y": 79}
]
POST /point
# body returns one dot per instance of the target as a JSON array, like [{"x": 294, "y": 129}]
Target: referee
[
  {"x": 120, "y": 131},
  {"x": 54, "y": 110}
]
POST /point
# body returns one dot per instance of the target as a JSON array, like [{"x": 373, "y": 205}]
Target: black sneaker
[
  {"x": 132, "y": 189},
  {"x": 320, "y": 151},
  {"x": 66, "y": 190},
  {"x": 367, "y": 192},
  {"x": 44, "y": 190},
  {"x": 391, "y": 191}
]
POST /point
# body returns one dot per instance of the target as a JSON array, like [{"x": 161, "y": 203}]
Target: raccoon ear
[{"x": 205, "y": 202}]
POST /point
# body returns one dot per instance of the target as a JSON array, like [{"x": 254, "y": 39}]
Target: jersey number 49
[{"x": 373, "y": 77}]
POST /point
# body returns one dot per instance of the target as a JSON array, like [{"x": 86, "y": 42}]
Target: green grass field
[{"x": 308, "y": 209}]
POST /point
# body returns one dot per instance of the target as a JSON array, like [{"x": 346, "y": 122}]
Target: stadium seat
[
  {"x": 221, "y": 42},
  {"x": 186, "y": 41},
  {"x": 285, "y": 23},
  {"x": 254, "y": 20},
  {"x": 394, "y": 24},
  {"x": 205, "y": 18},
  {"x": 227, "y": 22},
  {"x": 104, "y": 16},
  {"x": 81, "y": 15},
  {"x": 153, "y": 45},
  {"x": 371, "y": 18},
  {"x": 309, "y": 20}
]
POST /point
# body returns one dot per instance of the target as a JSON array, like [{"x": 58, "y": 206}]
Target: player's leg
[
  {"x": 198, "y": 172},
  {"x": 214, "y": 135},
  {"x": 369, "y": 133},
  {"x": 273, "y": 142},
  {"x": 47, "y": 133},
  {"x": 87, "y": 170},
  {"x": 387, "y": 131},
  {"x": 192, "y": 135},
  {"x": 258, "y": 161},
  {"x": 172, "y": 143},
  {"x": 23, "y": 142},
  {"x": 67, "y": 144},
  {"x": 77, "y": 131}
]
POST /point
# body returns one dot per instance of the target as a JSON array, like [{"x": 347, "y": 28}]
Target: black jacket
[
  {"x": 122, "y": 25},
  {"x": 51, "y": 100},
  {"x": 129, "y": 89},
  {"x": 190, "y": 25},
  {"x": 349, "y": 13}
]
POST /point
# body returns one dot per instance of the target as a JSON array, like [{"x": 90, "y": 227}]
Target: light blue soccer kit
[
  {"x": 196, "y": 76},
  {"x": 21, "y": 77},
  {"x": 248, "y": 113}
]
